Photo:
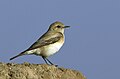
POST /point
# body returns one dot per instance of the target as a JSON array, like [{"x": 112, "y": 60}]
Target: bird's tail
[{"x": 17, "y": 55}]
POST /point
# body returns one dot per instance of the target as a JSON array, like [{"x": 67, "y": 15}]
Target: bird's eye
[{"x": 58, "y": 26}]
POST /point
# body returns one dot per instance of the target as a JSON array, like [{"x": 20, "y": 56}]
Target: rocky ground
[{"x": 36, "y": 71}]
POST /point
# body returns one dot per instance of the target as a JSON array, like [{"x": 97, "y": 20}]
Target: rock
[{"x": 37, "y": 71}]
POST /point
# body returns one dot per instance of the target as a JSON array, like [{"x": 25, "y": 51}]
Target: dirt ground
[{"x": 36, "y": 71}]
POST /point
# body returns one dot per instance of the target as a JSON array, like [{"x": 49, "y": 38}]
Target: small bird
[{"x": 48, "y": 44}]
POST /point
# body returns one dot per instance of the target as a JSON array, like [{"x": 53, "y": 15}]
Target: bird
[{"x": 48, "y": 44}]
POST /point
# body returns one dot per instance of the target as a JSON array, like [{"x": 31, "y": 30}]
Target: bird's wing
[
  {"x": 42, "y": 41},
  {"x": 45, "y": 40}
]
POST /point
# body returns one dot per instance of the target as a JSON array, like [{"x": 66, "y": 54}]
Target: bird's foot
[{"x": 54, "y": 65}]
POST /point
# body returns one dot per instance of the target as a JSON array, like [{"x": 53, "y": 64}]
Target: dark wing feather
[{"x": 42, "y": 42}]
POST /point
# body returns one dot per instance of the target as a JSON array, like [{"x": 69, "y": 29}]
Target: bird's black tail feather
[
  {"x": 14, "y": 57},
  {"x": 17, "y": 55}
]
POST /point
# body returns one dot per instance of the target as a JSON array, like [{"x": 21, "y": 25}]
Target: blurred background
[{"x": 92, "y": 43}]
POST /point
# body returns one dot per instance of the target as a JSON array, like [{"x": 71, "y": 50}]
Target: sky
[{"x": 92, "y": 43}]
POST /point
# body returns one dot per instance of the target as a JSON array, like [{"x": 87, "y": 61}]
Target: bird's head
[{"x": 57, "y": 27}]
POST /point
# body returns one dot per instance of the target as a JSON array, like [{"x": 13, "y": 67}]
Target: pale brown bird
[{"x": 48, "y": 44}]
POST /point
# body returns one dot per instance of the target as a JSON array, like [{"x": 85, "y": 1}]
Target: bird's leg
[
  {"x": 50, "y": 62},
  {"x": 45, "y": 60}
]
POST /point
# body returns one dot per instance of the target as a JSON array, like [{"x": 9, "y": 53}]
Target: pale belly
[
  {"x": 51, "y": 49},
  {"x": 46, "y": 50}
]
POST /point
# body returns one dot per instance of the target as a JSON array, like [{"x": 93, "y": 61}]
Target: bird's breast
[{"x": 52, "y": 48}]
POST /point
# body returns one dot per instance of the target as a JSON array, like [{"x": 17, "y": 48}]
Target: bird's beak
[{"x": 66, "y": 26}]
